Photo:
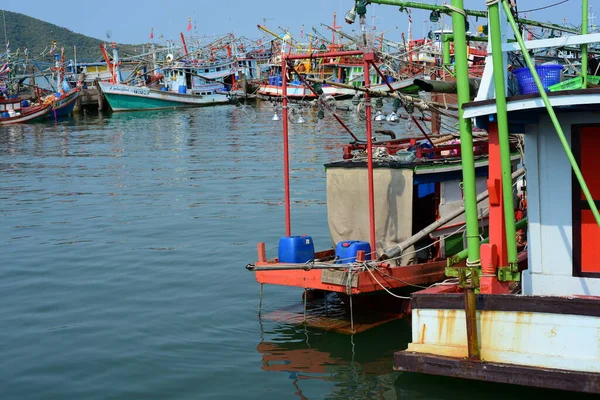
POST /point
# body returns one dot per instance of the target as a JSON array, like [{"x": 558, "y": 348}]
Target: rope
[
  {"x": 383, "y": 287},
  {"x": 472, "y": 264},
  {"x": 460, "y": 11}
]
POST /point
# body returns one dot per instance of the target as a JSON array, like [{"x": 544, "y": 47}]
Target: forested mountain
[{"x": 37, "y": 36}]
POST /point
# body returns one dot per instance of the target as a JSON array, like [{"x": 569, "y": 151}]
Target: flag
[
  {"x": 302, "y": 31},
  {"x": 8, "y": 46},
  {"x": 151, "y": 33},
  {"x": 409, "y": 16},
  {"x": 4, "y": 69},
  {"x": 189, "y": 28}
]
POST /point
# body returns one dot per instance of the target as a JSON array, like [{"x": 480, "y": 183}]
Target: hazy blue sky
[{"x": 130, "y": 21}]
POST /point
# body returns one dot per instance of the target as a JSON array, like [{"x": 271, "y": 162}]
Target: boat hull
[
  {"x": 129, "y": 98},
  {"x": 64, "y": 106},
  {"x": 30, "y": 116},
  {"x": 521, "y": 339}
]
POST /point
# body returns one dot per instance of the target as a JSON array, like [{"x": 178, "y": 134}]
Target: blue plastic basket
[{"x": 549, "y": 75}]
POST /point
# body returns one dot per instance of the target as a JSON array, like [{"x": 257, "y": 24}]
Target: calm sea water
[{"x": 124, "y": 241}]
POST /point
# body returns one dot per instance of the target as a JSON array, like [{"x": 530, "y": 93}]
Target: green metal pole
[
  {"x": 472, "y": 13},
  {"x": 552, "y": 114},
  {"x": 502, "y": 117},
  {"x": 584, "y": 47},
  {"x": 466, "y": 134},
  {"x": 446, "y": 56},
  {"x": 461, "y": 255}
]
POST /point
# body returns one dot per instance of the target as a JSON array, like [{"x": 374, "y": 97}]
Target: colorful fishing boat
[
  {"x": 183, "y": 84},
  {"x": 64, "y": 104},
  {"x": 536, "y": 327},
  {"x": 135, "y": 98},
  {"x": 17, "y": 111},
  {"x": 394, "y": 216}
]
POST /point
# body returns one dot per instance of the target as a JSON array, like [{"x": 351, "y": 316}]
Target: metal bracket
[{"x": 509, "y": 274}]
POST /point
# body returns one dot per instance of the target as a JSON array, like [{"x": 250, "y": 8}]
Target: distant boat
[
  {"x": 18, "y": 111},
  {"x": 136, "y": 98}
]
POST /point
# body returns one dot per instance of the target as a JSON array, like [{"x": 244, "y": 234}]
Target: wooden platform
[{"x": 336, "y": 321}]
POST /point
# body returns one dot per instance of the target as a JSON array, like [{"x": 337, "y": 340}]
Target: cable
[{"x": 543, "y": 8}]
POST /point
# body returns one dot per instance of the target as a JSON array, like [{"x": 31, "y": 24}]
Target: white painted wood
[
  {"x": 550, "y": 235},
  {"x": 533, "y": 103},
  {"x": 562, "y": 41},
  {"x": 557, "y": 341}
]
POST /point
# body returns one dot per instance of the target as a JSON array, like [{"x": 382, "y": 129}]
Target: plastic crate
[
  {"x": 574, "y": 83},
  {"x": 549, "y": 75}
]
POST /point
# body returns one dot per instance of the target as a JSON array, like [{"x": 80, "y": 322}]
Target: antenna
[{"x": 4, "y": 19}]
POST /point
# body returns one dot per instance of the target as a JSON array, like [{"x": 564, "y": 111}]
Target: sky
[{"x": 130, "y": 21}]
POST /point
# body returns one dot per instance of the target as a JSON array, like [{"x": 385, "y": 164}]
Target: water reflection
[{"x": 350, "y": 366}]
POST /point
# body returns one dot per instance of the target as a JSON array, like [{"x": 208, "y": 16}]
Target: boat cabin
[
  {"x": 563, "y": 236},
  {"x": 10, "y": 107}
]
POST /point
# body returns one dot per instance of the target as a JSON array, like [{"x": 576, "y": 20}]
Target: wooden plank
[{"x": 496, "y": 372}]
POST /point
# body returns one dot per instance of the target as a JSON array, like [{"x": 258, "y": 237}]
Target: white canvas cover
[{"x": 348, "y": 206}]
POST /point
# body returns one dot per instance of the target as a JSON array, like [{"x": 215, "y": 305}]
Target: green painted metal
[
  {"x": 584, "y": 47},
  {"x": 462, "y": 255},
  {"x": 502, "y": 119},
  {"x": 552, "y": 114},
  {"x": 466, "y": 133},
  {"x": 122, "y": 101},
  {"x": 446, "y": 57},
  {"x": 474, "y": 13}
]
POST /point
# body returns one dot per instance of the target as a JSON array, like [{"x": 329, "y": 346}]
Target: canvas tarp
[{"x": 348, "y": 206}]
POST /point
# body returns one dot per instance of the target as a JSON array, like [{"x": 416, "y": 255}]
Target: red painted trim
[
  {"x": 286, "y": 158},
  {"x": 370, "y": 153}
]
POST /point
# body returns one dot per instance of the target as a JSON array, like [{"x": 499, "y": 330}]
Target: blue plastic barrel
[
  {"x": 5, "y": 114},
  {"x": 164, "y": 89},
  {"x": 182, "y": 89},
  {"x": 296, "y": 249},
  {"x": 25, "y": 103},
  {"x": 346, "y": 250}
]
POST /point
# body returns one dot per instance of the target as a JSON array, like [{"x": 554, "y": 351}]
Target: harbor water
[{"x": 124, "y": 244}]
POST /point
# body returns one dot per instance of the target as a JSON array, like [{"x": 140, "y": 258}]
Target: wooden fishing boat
[
  {"x": 16, "y": 111},
  {"x": 394, "y": 216},
  {"x": 63, "y": 105},
  {"x": 135, "y": 98},
  {"x": 539, "y": 326}
]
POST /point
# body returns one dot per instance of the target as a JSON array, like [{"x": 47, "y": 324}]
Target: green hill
[{"x": 24, "y": 31}]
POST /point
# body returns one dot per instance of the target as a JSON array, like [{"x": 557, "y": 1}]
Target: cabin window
[{"x": 586, "y": 233}]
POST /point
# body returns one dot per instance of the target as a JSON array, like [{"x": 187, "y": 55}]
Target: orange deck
[{"x": 362, "y": 282}]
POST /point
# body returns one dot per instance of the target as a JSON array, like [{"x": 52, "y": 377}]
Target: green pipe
[
  {"x": 461, "y": 68},
  {"x": 473, "y": 13},
  {"x": 446, "y": 57},
  {"x": 461, "y": 255},
  {"x": 584, "y": 47},
  {"x": 552, "y": 114},
  {"x": 448, "y": 37},
  {"x": 502, "y": 118}
]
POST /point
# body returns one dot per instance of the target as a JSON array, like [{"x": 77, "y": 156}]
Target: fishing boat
[
  {"x": 536, "y": 327},
  {"x": 182, "y": 84},
  {"x": 63, "y": 103},
  {"x": 17, "y": 111},
  {"x": 394, "y": 216},
  {"x": 122, "y": 97}
]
